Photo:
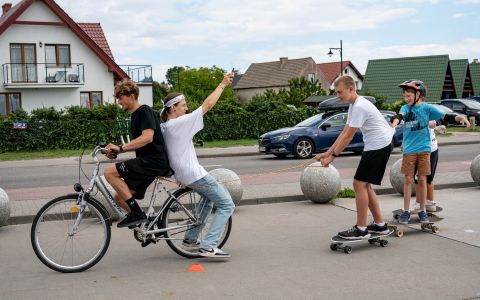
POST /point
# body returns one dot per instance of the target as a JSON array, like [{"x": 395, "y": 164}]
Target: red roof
[
  {"x": 332, "y": 70},
  {"x": 93, "y": 37},
  {"x": 95, "y": 32}
]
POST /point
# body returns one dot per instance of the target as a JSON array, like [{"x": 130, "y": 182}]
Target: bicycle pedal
[{"x": 148, "y": 242}]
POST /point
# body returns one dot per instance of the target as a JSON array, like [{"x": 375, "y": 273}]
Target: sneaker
[
  {"x": 354, "y": 234},
  {"x": 404, "y": 217},
  {"x": 423, "y": 217},
  {"x": 215, "y": 252},
  {"x": 416, "y": 207},
  {"x": 190, "y": 246},
  {"x": 375, "y": 228},
  {"x": 132, "y": 219},
  {"x": 431, "y": 206}
]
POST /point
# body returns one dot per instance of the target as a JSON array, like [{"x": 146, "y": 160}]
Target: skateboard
[
  {"x": 375, "y": 238},
  {"x": 398, "y": 212},
  {"x": 414, "y": 220}
]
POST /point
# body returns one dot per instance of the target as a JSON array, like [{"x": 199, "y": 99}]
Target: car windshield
[
  {"x": 472, "y": 104},
  {"x": 312, "y": 121}
]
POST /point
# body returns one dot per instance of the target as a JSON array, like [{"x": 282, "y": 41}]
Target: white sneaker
[
  {"x": 431, "y": 206},
  {"x": 215, "y": 252},
  {"x": 416, "y": 207}
]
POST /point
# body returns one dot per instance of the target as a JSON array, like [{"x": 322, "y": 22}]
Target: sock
[
  {"x": 134, "y": 207},
  {"x": 381, "y": 224},
  {"x": 362, "y": 228}
]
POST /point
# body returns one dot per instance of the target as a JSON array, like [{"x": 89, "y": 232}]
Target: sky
[{"x": 235, "y": 34}]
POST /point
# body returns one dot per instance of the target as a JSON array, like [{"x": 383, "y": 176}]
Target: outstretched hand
[{"x": 228, "y": 78}]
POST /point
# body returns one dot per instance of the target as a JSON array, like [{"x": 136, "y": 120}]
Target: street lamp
[{"x": 330, "y": 53}]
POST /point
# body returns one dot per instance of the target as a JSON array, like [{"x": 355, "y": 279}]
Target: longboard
[
  {"x": 375, "y": 238},
  {"x": 415, "y": 220},
  {"x": 396, "y": 213}
]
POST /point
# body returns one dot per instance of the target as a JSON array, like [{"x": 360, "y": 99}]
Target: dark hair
[
  {"x": 126, "y": 87},
  {"x": 166, "y": 110}
]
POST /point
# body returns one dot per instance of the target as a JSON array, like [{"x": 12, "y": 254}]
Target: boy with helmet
[{"x": 416, "y": 142}]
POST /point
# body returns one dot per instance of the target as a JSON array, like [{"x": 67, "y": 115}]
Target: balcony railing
[
  {"x": 42, "y": 74},
  {"x": 139, "y": 73}
]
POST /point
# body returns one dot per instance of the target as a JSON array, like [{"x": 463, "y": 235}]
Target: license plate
[{"x": 262, "y": 149}]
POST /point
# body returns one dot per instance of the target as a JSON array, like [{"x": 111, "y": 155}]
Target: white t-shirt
[
  {"x": 377, "y": 133},
  {"x": 178, "y": 134},
  {"x": 433, "y": 140}
]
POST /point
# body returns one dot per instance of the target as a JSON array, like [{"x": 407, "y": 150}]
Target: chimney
[
  {"x": 6, "y": 7},
  {"x": 283, "y": 61}
]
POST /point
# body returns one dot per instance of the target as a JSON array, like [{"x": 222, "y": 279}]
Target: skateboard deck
[
  {"x": 396, "y": 213},
  {"x": 375, "y": 238},
  {"x": 414, "y": 220}
]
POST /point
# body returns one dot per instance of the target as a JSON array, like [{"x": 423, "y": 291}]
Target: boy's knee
[
  {"x": 408, "y": 179},
  {"x": 110, "y": 172}
]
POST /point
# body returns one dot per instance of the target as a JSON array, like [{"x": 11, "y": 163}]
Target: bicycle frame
[{"x": 97, "y": 181}]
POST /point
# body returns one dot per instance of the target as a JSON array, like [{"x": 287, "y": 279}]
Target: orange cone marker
[{"x": 196, "y": 268}]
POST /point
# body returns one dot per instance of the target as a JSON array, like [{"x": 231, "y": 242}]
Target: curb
[{"x": 17, "y": 220}]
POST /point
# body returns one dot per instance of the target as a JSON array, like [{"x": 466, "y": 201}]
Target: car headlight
[{"x": 281, "y": 137}]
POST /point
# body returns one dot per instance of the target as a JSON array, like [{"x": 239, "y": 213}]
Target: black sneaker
[
  {"x": 354, "y": 234},
  {"x": 133, "y": 218},
  {"x": 215, "y": 252},
  {"x": 378, "y": 229},
  {"x": 190, "y": 246}
]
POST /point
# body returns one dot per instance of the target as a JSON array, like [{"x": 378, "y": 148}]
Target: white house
[{"x": 48, "y": 59}]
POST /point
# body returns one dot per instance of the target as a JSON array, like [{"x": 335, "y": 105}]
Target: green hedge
[{"x": 67, "y": 133}]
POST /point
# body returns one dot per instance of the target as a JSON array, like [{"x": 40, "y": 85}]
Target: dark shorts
[
  {"x": 433, "y": 167},
  {"x": 138, "y": 175},
  {"x": 372, "y": 165}
]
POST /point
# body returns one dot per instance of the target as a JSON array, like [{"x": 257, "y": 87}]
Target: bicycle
[{"x": 64, "y": 229}]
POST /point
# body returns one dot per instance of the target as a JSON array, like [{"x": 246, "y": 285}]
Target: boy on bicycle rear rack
[{"x": 131, "y": 178}]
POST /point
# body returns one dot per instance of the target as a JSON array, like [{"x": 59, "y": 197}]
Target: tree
[
  {"x": 159, "y": 93},
  {"x": 173, "y": 76},
  {"x": 301, "y": 89}
]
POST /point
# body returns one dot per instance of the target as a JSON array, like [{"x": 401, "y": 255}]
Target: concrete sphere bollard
[
  {"x": 4, "y": 208},
  {"x": 319, "y": 184},
  {"x": 441, "y": 129},
  {"x": 231, "y": 181},
  {"x": 99, "y": 196},
  {"x": 475, "y": 169},
  {"x": 397, "y": 179}
]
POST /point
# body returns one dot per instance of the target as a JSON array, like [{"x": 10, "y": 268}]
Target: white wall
[
  {"x": 97, "y": 76},
  {"x": 245, "y": 95},
  {"x": 146, "y": 94}
]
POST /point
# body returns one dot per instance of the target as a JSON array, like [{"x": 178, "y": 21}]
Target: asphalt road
[{"x": 62, "y": 175}]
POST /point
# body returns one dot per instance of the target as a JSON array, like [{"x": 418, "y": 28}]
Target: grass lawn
[
  {"x": 462, "y": 129},
  {"x": 21, "y": 155}
]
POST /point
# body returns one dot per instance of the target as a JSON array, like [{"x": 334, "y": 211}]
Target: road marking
[{"x": 470, "y": 230}]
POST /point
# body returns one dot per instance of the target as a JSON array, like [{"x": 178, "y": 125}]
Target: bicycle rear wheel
[
  {"x": 61, "y": 245},
  {"x": 185, "y": 211}
]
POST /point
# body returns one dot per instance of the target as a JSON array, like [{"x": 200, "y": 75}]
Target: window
[
  {"x": 337, "y": 120},
  {"x": 57, "y": 55},
  {"x": 23, "y": 60},
  {"x": 90, "y": 99},
  {"x": 458, "y": 106},
  {"x": 311, "y": 77},
  {"x": 9, "y": 103}
]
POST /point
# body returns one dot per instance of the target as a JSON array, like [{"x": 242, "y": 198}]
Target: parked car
[
  {"x": 476, "y": 98},
  {"x": 335, "y": 103},
  {"x": 447, "y": 110},
  {"x": 470, "y": 108},
  {"x": 316, "y": 134}
]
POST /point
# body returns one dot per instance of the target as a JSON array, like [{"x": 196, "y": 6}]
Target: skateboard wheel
[
  {"x": 383, "y": 243},
  {"x": 347, "y": 249},
  {"x": 371, "y": 242},
  {"x": 396, "y": 217},
  {"x": 435, "y": 229},
  {"x": 423, "y": 226},
  {"x": 399, "y": 233},
  {"x": 333, "y": 247}
]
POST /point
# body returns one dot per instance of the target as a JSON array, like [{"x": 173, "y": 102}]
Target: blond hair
[{"x": 346, "y": 81}]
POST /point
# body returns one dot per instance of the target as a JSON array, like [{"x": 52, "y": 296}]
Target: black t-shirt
[{"x": 153, "y": 154}]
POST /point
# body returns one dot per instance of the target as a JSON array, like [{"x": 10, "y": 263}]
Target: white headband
[{"x": 174, "y": 100}]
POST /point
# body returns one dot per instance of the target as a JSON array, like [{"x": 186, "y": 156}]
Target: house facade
[
  {"x": 49, "y": 60},
  {"x": 331, "y": 71}
]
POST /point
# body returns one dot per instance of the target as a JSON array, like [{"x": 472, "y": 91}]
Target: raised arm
[{"x": 213, "y": 97}]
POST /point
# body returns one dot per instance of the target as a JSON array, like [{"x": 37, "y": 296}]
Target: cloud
[
  {"x": 468, "y": 1},
  {"x": 458, "y": 15}
]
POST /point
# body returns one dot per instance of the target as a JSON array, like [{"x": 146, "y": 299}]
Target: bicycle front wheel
[
  {"x": 184, "y": 214},
  {"x": 68, "y": 240}
]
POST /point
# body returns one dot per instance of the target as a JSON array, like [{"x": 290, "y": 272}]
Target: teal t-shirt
[{"x": 416, "y": 136}]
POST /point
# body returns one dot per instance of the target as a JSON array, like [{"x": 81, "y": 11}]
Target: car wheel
[
  {"x": 303, "y": 148},
  {"x": 280, "y": 155}
]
